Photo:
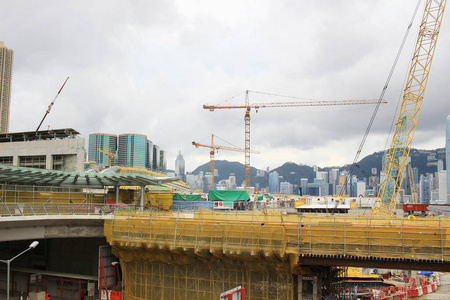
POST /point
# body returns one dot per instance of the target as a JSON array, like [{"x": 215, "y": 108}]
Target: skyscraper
[
  {"x": 180, "y": 167},
  {"x": 274, "y": 182},
  {"x": 162, "y": 161},
  {"x": 6, "y": 61},
  {"x": 133, "y": 151},
  {"x": 426, "y": 187},
  {"x": 156, "y": 157},
  {"x": 105, "y": 142}
]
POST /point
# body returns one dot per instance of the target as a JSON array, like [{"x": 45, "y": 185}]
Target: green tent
[
  {"x": 186, "y": 197},
  {"x": 228, "y": 195}
]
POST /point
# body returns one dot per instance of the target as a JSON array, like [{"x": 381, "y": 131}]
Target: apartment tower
[{"x": 6, "y": 61}]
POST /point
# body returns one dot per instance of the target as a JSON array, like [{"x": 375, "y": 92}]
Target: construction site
[
  {"x": 201, "y": 254},
  {"x": 168, "y": 255},
  {"x": 168, "y": 243}
]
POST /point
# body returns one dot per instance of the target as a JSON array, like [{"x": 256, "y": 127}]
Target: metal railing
[{"x": 42, "y": 209}]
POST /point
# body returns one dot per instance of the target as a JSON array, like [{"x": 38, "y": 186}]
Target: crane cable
[{"x": 369, "y": 126}]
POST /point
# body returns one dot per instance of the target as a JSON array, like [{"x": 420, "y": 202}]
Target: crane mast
[
  {"x": 412, "y": 185},
  {"x": 214, "y": 148},
  {"x": 400, "y": 148},
  {"x": 257, "y": 106}
]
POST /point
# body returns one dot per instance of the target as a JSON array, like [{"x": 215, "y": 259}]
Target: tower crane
[
  {"x": 257, "y": 106},
  {"x": 215, "y": 148},
  {"x": 110, "y": 155},
  {"x": 416, "y": 83},
  {"x": 412, "y": 185}
]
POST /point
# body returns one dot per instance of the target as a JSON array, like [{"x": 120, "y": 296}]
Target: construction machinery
[
  {"x": 412, "y": 185},
  {"x": 110, "y": 155},
  {"x": 215, "y": 148},
  {"x": 257, "y": 106},
  {"x": 51, "y": 105},
  {"x": 400, "y": 148}
]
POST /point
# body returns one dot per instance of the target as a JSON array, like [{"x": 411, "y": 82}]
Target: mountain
[
  {"x": 424, "y": 160},
  {"x": 225, "y": 168}
]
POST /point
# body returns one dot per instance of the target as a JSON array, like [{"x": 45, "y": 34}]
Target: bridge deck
[
  {"x": 165, "y": 254},
  {"x": 250, "y": 234}
]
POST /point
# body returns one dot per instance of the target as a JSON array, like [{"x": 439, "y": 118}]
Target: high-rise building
[
  {"x": 286, "y": 188},
  {"x": 6, "y": 61},
  {"x": 360, "y": 188},
  {"x": 447, "y": 155},
  {"x": 156, "y": 157},
  {"x": 149, "y": 155},
  {"x": 180, "y": 167},
  {"x": 162, "y": 161},
  {"x": 440, "y": 165},
  {"x": 304, "y": 185},
  {"x": 322, "y": 175},
  {"x": 426, "y": 187},
  {"x": 442, "y": 182},
  {"x": 105, "y": 142},
  {"x": 132, "y": 151},
  {"x": 274, "y": 182}
]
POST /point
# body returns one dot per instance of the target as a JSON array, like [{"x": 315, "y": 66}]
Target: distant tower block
[
  {"x": 180, "y": 167},
  {"x": 6, "y": 61}
]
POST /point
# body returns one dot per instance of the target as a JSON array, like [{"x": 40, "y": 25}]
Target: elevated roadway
[{"x": 16, "y": 228}]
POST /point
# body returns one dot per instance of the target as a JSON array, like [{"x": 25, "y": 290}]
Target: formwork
[{"x": 198, "y": 255}]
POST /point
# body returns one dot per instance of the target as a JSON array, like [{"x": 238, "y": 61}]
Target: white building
[{"x": 57, "y": 149}]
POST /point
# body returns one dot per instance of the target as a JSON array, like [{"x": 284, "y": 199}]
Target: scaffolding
[{"x": 168, "y": 255}]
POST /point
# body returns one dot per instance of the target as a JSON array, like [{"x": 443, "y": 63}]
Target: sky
[{"x": 148, "y": 67}]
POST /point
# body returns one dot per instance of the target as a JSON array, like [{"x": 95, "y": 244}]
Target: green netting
[
  {"x": 186, "y": 197},
  {"x": 228, "y": 195}
]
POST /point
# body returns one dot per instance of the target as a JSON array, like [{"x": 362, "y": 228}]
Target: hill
[{"x": 424, "y": 160}]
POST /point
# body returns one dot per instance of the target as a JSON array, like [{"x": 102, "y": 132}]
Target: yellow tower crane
[
  {"x": 412, "y": 185},
  {"x": 257, "y": 106},
  {"x": 215, "y": 148},
  {"x": 110, "y": 155},
  {"x": 416, "y": 83}
]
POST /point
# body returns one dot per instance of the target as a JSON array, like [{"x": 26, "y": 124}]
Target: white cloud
[{"x": 148, "y": 67}]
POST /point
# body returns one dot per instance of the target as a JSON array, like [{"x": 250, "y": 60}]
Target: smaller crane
[
  {"x": 51, "y": 104},
  {"x": 215, "y": 148},
  {"x": 110, "y": 155}
]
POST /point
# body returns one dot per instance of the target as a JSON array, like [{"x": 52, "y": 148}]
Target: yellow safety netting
[{"x": 163, "y": 247}]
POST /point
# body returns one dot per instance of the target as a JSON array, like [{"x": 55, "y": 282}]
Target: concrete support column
[
  {"x": 16, "y": 160},
  {"x": 49, "y": 162},
  {"x": 117, "y": 193}
]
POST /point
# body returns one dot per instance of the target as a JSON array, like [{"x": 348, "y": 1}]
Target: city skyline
[{"x": 149, "y": 69}]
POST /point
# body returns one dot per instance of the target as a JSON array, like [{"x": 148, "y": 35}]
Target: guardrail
[{"x": 39, "y": 209}]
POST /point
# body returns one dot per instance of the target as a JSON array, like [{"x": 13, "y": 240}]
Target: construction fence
[{"x": 169, "y": 255}]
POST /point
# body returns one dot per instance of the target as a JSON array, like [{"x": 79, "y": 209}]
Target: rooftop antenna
[{"x": 50, "y": 106}]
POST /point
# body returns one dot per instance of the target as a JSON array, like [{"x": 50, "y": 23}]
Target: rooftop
[{"x": 38, "y": 135}]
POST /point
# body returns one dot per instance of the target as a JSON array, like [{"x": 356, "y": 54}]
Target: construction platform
[{"x": 198, "y": 255}]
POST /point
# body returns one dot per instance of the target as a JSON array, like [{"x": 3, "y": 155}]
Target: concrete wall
[{"x": 72, "y": 148}]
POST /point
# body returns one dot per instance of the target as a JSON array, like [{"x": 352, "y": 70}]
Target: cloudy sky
[{"x": 148, "y": 67}]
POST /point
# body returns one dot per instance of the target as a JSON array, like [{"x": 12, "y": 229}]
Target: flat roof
[
  {"x": 33, "y": 176},
  {"x": 38, "y": 135}
]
